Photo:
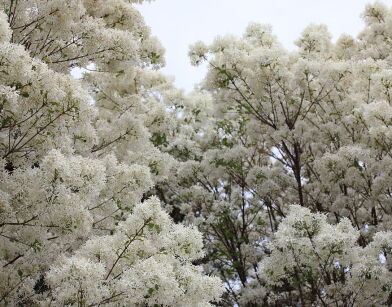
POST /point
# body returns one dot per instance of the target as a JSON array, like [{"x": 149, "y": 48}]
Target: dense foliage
[
  {"x": 270, "y": 185},
  {"x": 78, "y": 159},
  {"x": 310, "y": 128}
]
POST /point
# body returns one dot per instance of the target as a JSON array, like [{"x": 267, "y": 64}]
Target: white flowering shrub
[
  {"x": 272, "y": 181},
  {"x": 79, "y": 158},
  {"x": 270, "y": 129}
]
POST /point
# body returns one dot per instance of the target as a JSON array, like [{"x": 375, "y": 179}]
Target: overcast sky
[{"x": 180, "y": 23}]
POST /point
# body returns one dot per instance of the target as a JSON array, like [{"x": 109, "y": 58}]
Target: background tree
[{"x": 276, "y": 128}]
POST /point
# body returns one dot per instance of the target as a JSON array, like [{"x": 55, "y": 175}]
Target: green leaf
[
  {"x": 339, "y": 252},
  {"x": 120, "y": 72},
  {"x": 226, "y": 143},
  {"x": 151, "y": 291}
]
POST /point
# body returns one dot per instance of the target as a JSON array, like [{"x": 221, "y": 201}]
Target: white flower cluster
[
  {"x": 79, "y": 161},
  {"x": 309, "y": 128},
  {"x": 323, "y": 263},
  {"x": 147, "y": 260}
]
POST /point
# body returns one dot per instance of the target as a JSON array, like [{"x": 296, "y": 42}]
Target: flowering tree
[
  {"x": 112, "y": 183},
  {"x": 79, "y": 157},
  {"x": 309, "y": 128}
]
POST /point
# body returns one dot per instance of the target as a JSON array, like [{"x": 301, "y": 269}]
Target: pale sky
[{"x": 180, "y": 23}]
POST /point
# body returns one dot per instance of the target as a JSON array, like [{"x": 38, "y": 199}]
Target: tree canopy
[{"x": 269, "y": 185}]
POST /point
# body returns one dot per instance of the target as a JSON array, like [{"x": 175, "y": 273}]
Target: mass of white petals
[
  {"x": 269, "y": 185},
  {"x": 80, "y": 159},
  {"x": 308, "y": 250},
  {"x": 291, "y": 179}
]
